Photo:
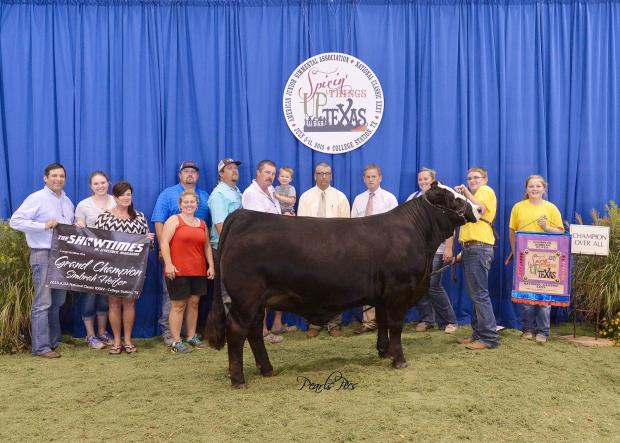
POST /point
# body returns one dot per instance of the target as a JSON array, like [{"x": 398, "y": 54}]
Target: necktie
[
  {"x": 322, "y": 206},
  {"x": 369, "y": 204}
]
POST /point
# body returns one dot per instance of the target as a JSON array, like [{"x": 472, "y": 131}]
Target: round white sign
[{"x": 333, "y": 103}]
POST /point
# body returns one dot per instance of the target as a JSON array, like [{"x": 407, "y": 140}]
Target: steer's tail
[{"x": 216, "y": 321}]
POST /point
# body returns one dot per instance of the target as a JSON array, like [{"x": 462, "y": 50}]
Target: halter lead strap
[{"x": 460, "y": 214}]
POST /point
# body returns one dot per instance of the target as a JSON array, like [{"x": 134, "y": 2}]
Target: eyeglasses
[
  {"x": 323, "y": 174},
  {"x": 476, "y": 177}
]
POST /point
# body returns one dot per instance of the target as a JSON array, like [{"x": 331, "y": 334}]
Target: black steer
[{"x": 318, "y": 267}]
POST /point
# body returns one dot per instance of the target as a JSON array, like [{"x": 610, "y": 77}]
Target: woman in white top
[
  {"x": 435, "y": 307},
  {"x": 86, "y": 214}
]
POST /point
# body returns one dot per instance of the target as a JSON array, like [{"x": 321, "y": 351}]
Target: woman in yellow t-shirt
[{"x": 534, "y": 214}]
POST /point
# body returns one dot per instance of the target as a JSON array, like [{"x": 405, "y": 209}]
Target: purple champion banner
[
  {"x": 97, "y": 261},
  {"x": 541, "y": 269}
]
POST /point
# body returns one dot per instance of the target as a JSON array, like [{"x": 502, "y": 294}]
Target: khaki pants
[{"x": 369, "y": 317}]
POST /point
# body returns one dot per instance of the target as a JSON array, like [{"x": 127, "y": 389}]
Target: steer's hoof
[
  {"x": 384, "y": 354},
  {"x": 400, "y": 365},
  {"x": 269, "y": 373},
  {"x": 240, "y": 386}
]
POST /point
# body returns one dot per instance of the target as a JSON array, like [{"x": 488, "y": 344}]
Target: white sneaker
[
  {"x": 94, "y": 343},
  {"x": 106, "y": 339},
  {"x": 451, "y": 328},
  {"x": 541, "y": 338},
  {"x": 527, "y": 335},
  {"x": 168, "y": 340}
]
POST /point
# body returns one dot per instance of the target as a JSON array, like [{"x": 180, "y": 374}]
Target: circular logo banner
[{"x": 333, "y": 103}]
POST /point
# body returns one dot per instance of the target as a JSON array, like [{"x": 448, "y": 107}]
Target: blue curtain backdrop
[{"x": 134, "y": 87}]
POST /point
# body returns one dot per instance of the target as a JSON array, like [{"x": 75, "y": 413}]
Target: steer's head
[{"x": 454, "y": 205}]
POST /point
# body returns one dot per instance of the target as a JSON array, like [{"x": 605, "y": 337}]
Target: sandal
[
  {"x": 130, "y": 349},
  {"x": 116, "y": 350},
  {"x": 285, "y": 328},
  {"x": 272, "y": 338}
]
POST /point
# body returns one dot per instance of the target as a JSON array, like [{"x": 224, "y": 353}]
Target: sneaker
[
  {"x": 180, "y": 347},
  {"x": 94, "y": 343},
  {"x": 423, "y": 326},
  {"x": 106, "y": 339},
  {"x": 541, "y": 338},
  {"x": 451, "y": 328},
  {"x": 168, "y": 341},
  {"x": 196, "y": 342},
  {"x": 527, "y": 335},
  {"x": 273, "y": 338}
]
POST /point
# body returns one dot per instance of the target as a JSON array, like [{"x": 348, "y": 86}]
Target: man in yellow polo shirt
[{"x": 477, "y": 240}]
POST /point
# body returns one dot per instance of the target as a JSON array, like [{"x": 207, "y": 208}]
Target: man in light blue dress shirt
[
  {"x": 36, "y": 217},
  {"x": 224, "y": 200}
]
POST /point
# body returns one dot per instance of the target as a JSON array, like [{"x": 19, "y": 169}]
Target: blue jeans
[
  {"x": 436, "y": 304},
  {"x": 165, "y": 309},
  {"x": 536, "y": 319},
  {"x": 93, "y": 304},
  {"x": 45, "y": 316},
  {"x": 477, "y": 261}
]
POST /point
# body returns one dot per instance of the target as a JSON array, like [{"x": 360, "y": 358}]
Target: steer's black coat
[{"x": 319, "y": 267}]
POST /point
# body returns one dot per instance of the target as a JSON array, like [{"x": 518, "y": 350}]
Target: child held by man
[{"x": 285, "y": 192}]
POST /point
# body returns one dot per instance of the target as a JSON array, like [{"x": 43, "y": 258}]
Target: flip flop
[
  {"x": 130, "y": 349},
  {"x": 116, "y": 350}
]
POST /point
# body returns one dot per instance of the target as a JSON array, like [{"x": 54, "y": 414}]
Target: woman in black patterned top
[{"x": 123, "y": 218}]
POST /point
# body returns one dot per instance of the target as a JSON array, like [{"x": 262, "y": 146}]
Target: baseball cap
[
  {"x": 189, "y": 164},
  {"x": 225, "y": 162}
]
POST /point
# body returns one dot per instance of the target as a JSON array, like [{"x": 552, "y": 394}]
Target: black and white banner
[{"x": 97, "y": 261}]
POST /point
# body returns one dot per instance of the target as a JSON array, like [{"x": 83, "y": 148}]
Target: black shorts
[{"x": 182, "y": 287}]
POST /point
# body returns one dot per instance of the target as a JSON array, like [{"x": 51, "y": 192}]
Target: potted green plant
[
  {"x": 596, "y": 279},
  {"x": 16, "y": 290}
]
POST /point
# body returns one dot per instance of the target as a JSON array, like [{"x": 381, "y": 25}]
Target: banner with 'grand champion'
[{"x": 97, "y": 261}]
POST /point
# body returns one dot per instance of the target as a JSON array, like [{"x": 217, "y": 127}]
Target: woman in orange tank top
[{"x": 188, "y": 263}]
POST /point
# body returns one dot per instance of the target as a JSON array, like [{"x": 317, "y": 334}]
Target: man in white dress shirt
[
  {"x": 374, "y": 200},
  {"x": 37, "y": 216},
  {"x": 324, "y": 201},
  {"x": 259, "y": 196}
]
